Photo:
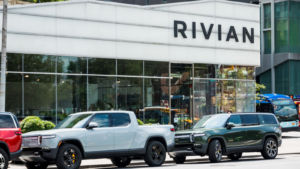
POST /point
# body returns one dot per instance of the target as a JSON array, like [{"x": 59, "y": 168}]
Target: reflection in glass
[
  {"x": 102, "y": 66},
  {"x": 102, "y": 93},
  {"x": 13, "y": 95},
  {"x": 226, "y": 95},
  {"x": 14, "y": 62},
  {"x": 130, "y": 94},
  {"x": 67, "y": 64},
  {"x": 39, "y": 96},
  {"x": 226, "y": 71},
  {"x": 71, "y": 95},
  {"x": 204, "y": 98},
  {"x": 74, "y": 121},
  {"x": 245, "y": 72},
  {"x": 130, "y": 67},
  {"x": 153, "y": 68},
  {"x": 39, "y": 63},
  {"x": 204, "y": 70}
]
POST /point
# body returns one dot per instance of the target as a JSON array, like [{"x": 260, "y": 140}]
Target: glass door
[{"x": 181, "y": 96}]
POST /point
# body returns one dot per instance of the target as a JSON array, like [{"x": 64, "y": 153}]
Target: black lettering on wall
[
  {"x": 206, "y": 35},
  {"x": 245, "y": 32},
  {"x": 194, "y": 30},
  {"x": 219, "y": 32},
  {"x": 232, "y": 34},
  {"x": 176, "y": 30}
]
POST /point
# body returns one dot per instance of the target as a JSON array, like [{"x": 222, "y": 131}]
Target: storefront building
[{"x": 169, "y": 63}]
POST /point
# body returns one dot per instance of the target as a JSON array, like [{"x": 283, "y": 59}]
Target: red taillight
[
  {"x": 18, "y": 132},
  {"x": 172, "y": 129},
  {"x": 39, "y": 140},
  {"x": 280, "y": 128}
]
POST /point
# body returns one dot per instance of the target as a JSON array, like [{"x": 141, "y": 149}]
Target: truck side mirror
[
  {"x": 230, "y": 125},
  {"x": 92, "y": 125}
]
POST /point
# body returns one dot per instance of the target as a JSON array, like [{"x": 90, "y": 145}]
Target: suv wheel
[
  {"x": 270, "y": 149},
  {"x": 68, "y": 157},
  {"x": 36, "y": 165},
  {"x": 3, "y": 159},
  {"x": 179, "y": 160},
  {"x": 215, "y": 151},
  {"x": 121, "y": 161},
  {"x": 235, "y": 156},
  {"x": 155, "y": 154}
]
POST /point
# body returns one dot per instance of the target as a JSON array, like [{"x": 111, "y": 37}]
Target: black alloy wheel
[
  {"x": 235, "y": 156},
  {"x": 215, "y": 151},
  {"x": 36, "y": 165},
  {"x": 69, "y": 157},
  {"x": 3, "y": 159},
  {"x": 179, "y": 160},
  {"x": 121, "y": 161},
  {"x": 270, "y": 149},
  {"x": 155, "y": 154}
]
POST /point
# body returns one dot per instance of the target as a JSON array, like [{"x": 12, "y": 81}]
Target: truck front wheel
[
  {"x": 121, "y": 161},
  {"x": 155, "y": 154},
  {"x": 68, "y": 157}
]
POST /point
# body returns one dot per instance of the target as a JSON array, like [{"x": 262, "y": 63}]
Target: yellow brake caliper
[{"x": 73, "y": 156}]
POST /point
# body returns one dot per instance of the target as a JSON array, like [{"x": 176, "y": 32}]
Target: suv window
[
  {"x": 249, "y": 119},
  {"x": 6, "y": 121},
  {"x": 102, "y": 120},
  {"x": 236, "y": 120},
  {"x": 267, "y": 119},
  {"x": 120, "y": 119}
]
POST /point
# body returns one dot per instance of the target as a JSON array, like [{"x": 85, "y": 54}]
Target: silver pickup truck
[{"x": 92, "y": 135}]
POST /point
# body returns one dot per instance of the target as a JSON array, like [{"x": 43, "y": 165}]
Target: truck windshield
[
  {"x": 285, "y": 112},
  {"x": 215, "y": 121},
  {"x": 74, "y": 121}
]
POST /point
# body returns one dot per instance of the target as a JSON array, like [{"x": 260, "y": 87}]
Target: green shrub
[
  {"x": 33, "y": 123},
  {"x": 140, "y": 122}
]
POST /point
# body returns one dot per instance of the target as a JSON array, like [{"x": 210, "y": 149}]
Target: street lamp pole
[{"x": 3, "y": 58}]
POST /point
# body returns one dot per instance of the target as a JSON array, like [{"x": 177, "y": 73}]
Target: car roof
[
  {"x": 241, "y": 113},
  {"x": 110, "y": 111},
  {"x": 9, "y": 113}
]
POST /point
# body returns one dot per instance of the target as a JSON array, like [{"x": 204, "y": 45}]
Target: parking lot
[{"x": 288, "y": 157}]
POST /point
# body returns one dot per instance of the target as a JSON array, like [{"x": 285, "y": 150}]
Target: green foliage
[
  {"x": 140, "y": 122},
  {"x": 257, "y": 89},
  {"x": 33, "y": 123}
]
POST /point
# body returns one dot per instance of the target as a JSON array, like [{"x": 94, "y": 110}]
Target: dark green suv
[{"x": 231, "y": 135}]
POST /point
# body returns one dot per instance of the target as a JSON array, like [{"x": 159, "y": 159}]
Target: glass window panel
[
  {"x": 6, "y": 121},
  {"x": 153, "y": 68},
  {"x": 236, "y": 120},
  {"x": 245, "y": 72},
  {"x": 120, "y": 119},
  {"x": 102, "y": 66},
  {"x": 267, "y": 15},
  {"x": 282, "y": 78},
  {"x": 204, "y": 98},
  {"x": 281, "y": 27},
  {"x": 249, "y": 119},
  {"x": 67, "y": 64},
  {"x": 265, "y": 79},
  {"x": 39, "y": 63},
  {"x": 226, "y": 96},
  {"x": 71, "y": 95},
  {"x": 39, "y": 96},
  {"x": 281, "y": 9},
  {"x": 130, "y": 67},
  {"x": 102, "y": 120},
  {"x": 226, "y": 71},
  {"x": 13, "y": 98},
  {"x": 294, "y": 35},
  {"x": 269, "y": 119},
  {"x": 130, "y": 94},
  {"x": 14, "y": 62},
  {"x": 294, "y": 77},
  {"x": 102, "y": 93},
  {"x": 267, "y": 42},
  {"x": 204, "y": 70}
]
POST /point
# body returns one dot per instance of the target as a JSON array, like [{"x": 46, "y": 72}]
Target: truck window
[
  {"x": 236, "y": 120},
  {"x": 269, "y": 119},
  {"x": 101, "y": 120},
  {"x": 6, "y": 122},
  {"x": 120, "y": 119},
  {"x": 249, "y": 119}
]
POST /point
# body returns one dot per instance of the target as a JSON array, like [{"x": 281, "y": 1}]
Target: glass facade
[
  {"x": 267, "y": 42},
  {"x": 281, "y": 27},
  {"x": 294, "y": 27},
  {"x": 267, "y": 16},
  {"x": 265, "y": 79},
  {"x": 53, "y": 87}
]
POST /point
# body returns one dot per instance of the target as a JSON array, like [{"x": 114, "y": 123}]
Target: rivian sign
[{"x": 231, "y": 33}]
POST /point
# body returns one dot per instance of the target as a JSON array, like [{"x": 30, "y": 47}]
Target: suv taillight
[
  {"x": 39, "y": 140},
  {"x": 172, "y": 129},
  {"x": 18, "y": 132},
  {"x": 280, "y": 128}
]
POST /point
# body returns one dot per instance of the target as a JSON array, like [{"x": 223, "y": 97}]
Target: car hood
[
  {"x": 195, "y": 131},
  {"x": 46, "y": 132}
]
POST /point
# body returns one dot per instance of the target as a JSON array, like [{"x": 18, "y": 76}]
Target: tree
[{"x": 257, "y": 89}]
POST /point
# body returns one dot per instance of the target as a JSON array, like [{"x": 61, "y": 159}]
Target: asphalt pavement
[{"x": 288, "y": 157}]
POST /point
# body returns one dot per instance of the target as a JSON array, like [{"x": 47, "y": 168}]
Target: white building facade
[{"x": 164, "y": 62}]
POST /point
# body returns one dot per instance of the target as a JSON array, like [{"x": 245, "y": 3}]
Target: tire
[
  {"x": 3, "y": 159},
  {"x": 270, "y": 149},
  {"x": 121, "y": 161},
  {"x": 235, "y": 156},
  {"x": 36, "y": 165},
  {"x": 68, "y": 157},
  {"x": 215, "y": 151},
  {"x": 179, "y": 160},
  {"x": 155, "y": 154}
]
